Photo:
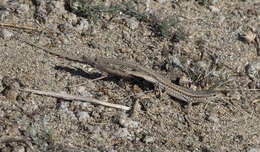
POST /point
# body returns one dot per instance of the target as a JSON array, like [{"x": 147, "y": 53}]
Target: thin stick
[
  {"x": 71, "y": 97},
  {"x": 18, "y": 26}
]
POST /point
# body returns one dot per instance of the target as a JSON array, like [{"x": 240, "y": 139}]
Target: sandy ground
[{"x": 213, "y": 44}]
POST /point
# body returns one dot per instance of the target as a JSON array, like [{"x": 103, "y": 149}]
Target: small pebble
[
  {"x": 3, "y": 13},
  {"x": 148, "y": 5},
  {"x": 5, "y": 34},
  {"x": 214, "y": 9},
  {"x": 148, "y": 139},
  {"x": 214, "y": 2},
  {"x": 75, "y": 5},
  {"x": 122, "y": 132},
  {"x": 253, "y": 149},
  {"x": 92, "y": 31},
  {"x": 126, "y": 35},
  {"x": 95, "y": 115},
  {"x": 174, "y": 60},
  {"x": 19, "y": 149},
  {"x": 83, "y": 116},
  {"x": 213, "y": 118},
  {"x": 83, "y": 25},
  {"x": 202, "y": 65},
  {"x": 162, "y": 1},
  {"x": 65, "y": 27},
  {"x": 42, "y": 16},
  {"x": 11, "y": 94},
  {"x": 64, "y": 106},
  {"x": 32, "y": 131},
  {"x": 127, "y": 122},
  {"x": 248, "y": 36},
  {"x": 85, "y": 105},
  {"x": 82, "y": 90},
  {"x": 2, "y": 113},
  {"x": 58, "y": 6},
  {"x": 132, "y": 23},
  {"x": 91, "y": 85},
  {"x": 184, "y": 80},
  {"x": 104, "y": 98},
  {"x": 257, "y": 107},
  {"x": 3, "y": 2},
  {"x": 11, "y": 87},
  {"x": 71, "y": 18},
  {"x": 253, "y": 69},
  {"x": 221, "y": 19},
  {"x": 6, "y": 149},
  {"x": 23, "y": 8},
  {"x": 146, "y": 103},
  {"x": 178, "y": 117}
]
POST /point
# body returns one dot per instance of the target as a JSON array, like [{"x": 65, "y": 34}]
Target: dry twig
[
  {"x": 18, "y": 26},
  {"x": 71, "y": 97}
]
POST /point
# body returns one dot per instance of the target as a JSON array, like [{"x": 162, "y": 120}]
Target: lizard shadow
[
  {"x": 183, "y": 103},
  {"x": 77, "y": 72}
]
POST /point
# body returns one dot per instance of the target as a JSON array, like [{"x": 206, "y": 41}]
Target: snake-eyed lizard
[{"x": 128, "y": 69}]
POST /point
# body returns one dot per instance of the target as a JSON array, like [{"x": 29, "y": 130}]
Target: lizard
[{"x": 130, "y": 69}]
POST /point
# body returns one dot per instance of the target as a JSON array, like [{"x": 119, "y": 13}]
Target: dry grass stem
[
  {"x": 18, "y": 26},
  {"x": 71, "y": 97}
]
